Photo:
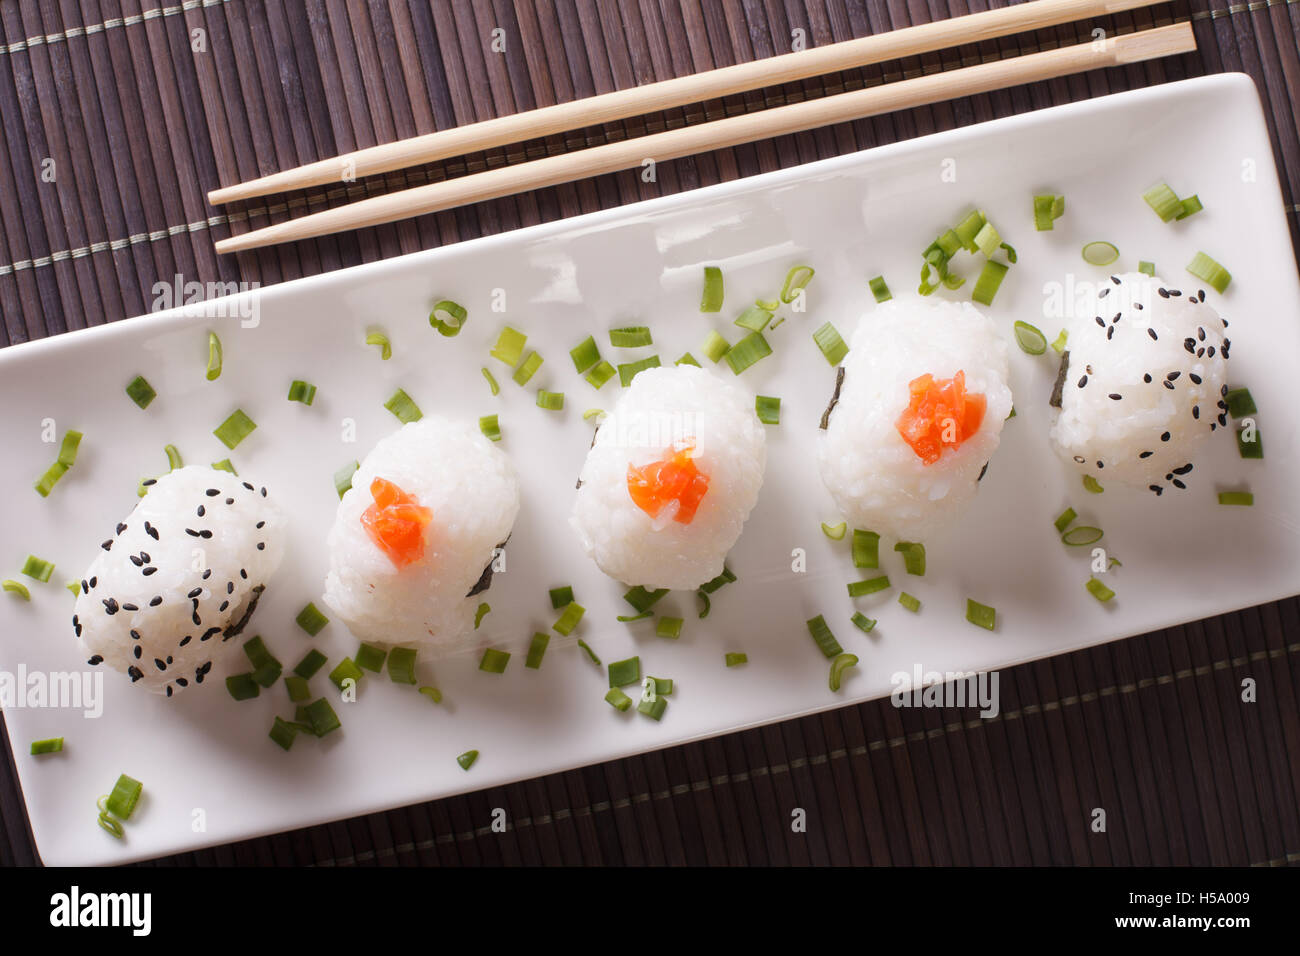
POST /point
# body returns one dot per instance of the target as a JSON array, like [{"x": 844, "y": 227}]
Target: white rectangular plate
[{"x": 1184, "y": 557}]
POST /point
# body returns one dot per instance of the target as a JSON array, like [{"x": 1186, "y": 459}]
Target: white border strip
[{"x": 19, "y": 45}]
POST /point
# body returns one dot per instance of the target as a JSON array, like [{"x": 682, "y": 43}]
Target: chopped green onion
[
  {"x": 343, "y": 478},
  {"x": 242, "y": 687},
  {"x": 140, "y": 391},
  {"x": 735, "y": 659},
  {"x": 1190, "y": 206},
  {"x": 311, "y": 662},
  {"x": 1046, "y": 211},
  {"x": 1147, "y": 268},
  {"x": 1250, "y": 449},
  {"x": 174, "y": 459},
  {"x": 510, "y": 346},
  {"x": 835, "y": 531},
  {"x": 585, "y": 354},
  {"x": 714, "y": 347},
  {"x": 622, "y": 673},
  {"x": 913, "y": 556},
  {"x": 17, "y": 587},
  {"x": 1100, "y": 253},
  {"x": 1203, "y": 267},
  {"x": 1099, "y": 590},
  {"x": 601, "y": 374},
  {"x": 953, "y": 281},
  {"x": 987, "y": 240},
  {"x": 726, "y": 577},
  {"x": 590, "y": 653},
  {"x": 1240, "y": 402},
  {"x": 53, "y": 745},
  {"x": 1058, "y": 344},
  {"x": 630, "y": 337},
  {"x": 618, "y": 700},
  {"x": 45, "y": 484},
  {"x": 879, "y": 289},
  {"x": 630, "y": 370},
  {"x": 1063, "y": 519},
  {"x": 831, "y": 344},
  {"x": 711, "y": 300},
  {"x": 981, "y": 615},
  {"x": 494, "y": 661},
  {"x": 72, "y": 586},
  {"x": 687, "y": 359},
  {"x": 968, "y": 228},
  {"x": 1030, "y": 339},
  {"x": 266, "y": 669},
  {"x": 796, "y": 280},
  {"x": 300, "y": 391},
  {"x": 594, "y": 414},
  {"x": 866, "y": 549},
  {"x": 862, "y": 622},
  {"x": 401, "y": 665},
  {"x": 839, "y": 665},
  {"x": 38, "y": 568},
  {"x": 643, "y": 600},
  {"x": 628, "y": 618},
  {"x": 283, "y": 733},
  {"x": 432, "y": 693},
  {"x": 669, "y": 628},
  {"x": 126, "y": 793},
  {"x": 768, "y": 408},
  {"x": 490, "y": 427},
  {"x": 346, "y": 670},
  {"x": 569, "y": 619},
  {"x": 481, "y": 612},
  {"x": 297, "y": 688},
  {"x": 376, "y": 337},
  {"x": 492, "y": 382},
  {"x": 234, "y": 429},
  {"x": 561, "y": 597},
  {"x": 909, "y": 602},
  {"x": 404, "y": 407},
  {"x": 455, "y": 317},
  {"x": 653, "y": 709},
  {"x": 1236, "y": 498},
  {"x": 321, "y": 716},
  {"x": 754, "y": 319},
  {"x": 663, "y": 685},
  {"x": 821, "y": 633},
  {"x": 111, "y": 825},
  {"x": 990, "y": 278},
  {"x": 1092, "y": 485},
  {"x": 551, "y": 401},
  {"x": 224, "y": 465},
  {"x": 311, "y": 620},
  {"x": 68, "y": 448},
  {"x": 371, "y": 657},
  {"x": 1164, "y": 201},
  {"x": 708, "y": 604},
  {"x": 528, "y": 368},
  {"x": 1011, "y": 252},
  {"x": 1081, "y": 535},
  {"x": 869, "y": 586},
  {"x": 537, "y": 650},
  {"x": 770, "y": 304},
  {"x": 214, "y": 357}
]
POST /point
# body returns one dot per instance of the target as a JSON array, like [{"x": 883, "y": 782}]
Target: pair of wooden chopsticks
[{"x": 718, "y": 134}]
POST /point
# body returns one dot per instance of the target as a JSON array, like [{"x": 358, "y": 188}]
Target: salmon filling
[
  {"x": 396, "y": 523},
  {"x": 672, "y": 479},
  {"x": 940, "y": 414}
]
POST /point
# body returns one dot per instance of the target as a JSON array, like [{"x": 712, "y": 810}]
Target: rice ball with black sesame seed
[
  {"x": 179, "y": 578},
  {"x": 1142, "y": 382}
]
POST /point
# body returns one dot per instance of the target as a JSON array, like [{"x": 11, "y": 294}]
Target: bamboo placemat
[{"x": 144, "y": 108}]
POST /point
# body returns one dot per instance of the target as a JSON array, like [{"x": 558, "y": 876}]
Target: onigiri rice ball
[
  {"x": 672, "y": 475},
  {"x": 393, "y": 582},
  {"x": 879, "y": 481},
  {"x": 1142, "y": 382},
  {"x": 180, "y": 578}
]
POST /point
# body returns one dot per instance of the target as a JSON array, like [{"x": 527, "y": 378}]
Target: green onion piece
[
  {"x": 1203, "y": 267},
  {"x": 594, "y": 414},
  {"x": 981, "y": 615},
  {"x": 628, "y": 618},
  {"x": 622, "y": 673},
  {"x": 510, "y": 346},
  {"x": 688, "y": 359},
  {"x": 735, "y": 659},
  {"x": 376, "y": 337},
  {"x": 1011, "y": 253},
  {"x": 126, "y": 793},
  {"x": 283, "y": 733},
  {"x": 1081, "y": 535},
  {"x": 630, "y": 371},
  {"x": 494, "y": 661},
  {"x": 1147, "y": 268},
  {"x": 836, "y": 531},
  {"x": 1100, "y": 253},
  {"x": 969, "y": 228},
  {"x": 53, "y": 745},
  {"x": 913, "y": 556},
  {"x": 1058, "y": 344},
  {"x": 142, "y": 488},
  {"x": 343, "y": 478},
  {"x": 653, "y": 709},
  {"x": 953, "y": 281},
  {"x": 214, "y": 357},
  {"x": 585, "y": 354},
  {"x": 242, "y": 687},
  {"x": 320, "y": 715},
  {"x": 569, "y": 619},
  {"x": 311, "y": 620},
  {"x": 869, "y": 586},
  {"x": 371, "y": 657},
  {"x": 1099, "y": 590},
  {"x": 224, "y": 465},
  {"x": 107, "y": 822},
  {"x": 768, "y": 408},
  {"x": 1047, "y": 209},
  {"x": 1190, "y": 206},
  {"x": 1250, "y": 449},
  {"x": 616, "y": 698},
  {"x": 300, "y": 391},
  {"x": 630, "y": 337},
  {"x": 1240, "y": 402},
  {"x": 1092, "y": 485},
  {"x": 68, "y": 448},
  {"x": 909, "y": 602},
  {"x": 754, "y": 318},
  {"x": 663, "y": 685},
  {"x": 839, "y": 665},
  {"x": 862, "y": 622},
  {"x": 528, "y": 368},
  {"x": 990, "y": 278},
  {"x": 601, "y": 374},
  {"x": 492, "y": 382},
  {"x": 72, "y": 586},
  {"x": 481, "y": 612},
  {"x": 669, "y": 628},
  {"x": 490, "y": 427},
  {"x": 561, "y": 597},
  {"x": 708, "y": 604},
  {"x": 45, "y": 484},
  {"x": 174, "y": 459},
  {"x": 346, "y": 669},
  {"x": 234, "y": 429},
  {"x": 311, "y": 662},
  {"x": 1164, "y": 201},
  {"x": 1063, "y": 519},
  {"x": 38, "y": 568},
  {"x": 879, "y": 289},
  {"x": 1236, "y": 498},
  {"x": 551, "y": 401},
  {"x": 297, "y": 688},
  {"x": 832, "y": 346},
  {"x": 401, "y": 665},
  {"x": 866, "y": 549},
  {"x": 726, "y": 577},
  {"x": 821, "y": 633},
  {"x": 432, "y": 693},
  {"x": 404, "y": 407},
  {"x": 590, "y": 653},
  {"x": 455, "y": 317},
  {"x": 17, "y": 587},
  {"x": 714, "y": 347},
  {"x": 796, "y": 280},
  {"x": 711, "y": 300},
  {"x": 537, "y": 650},
  {"x": 987, "y": 240},
  {"x": 1030, "y": 339},
  {"x": 140, "y": 391},
  {"x": 266, "y": 669},
  {"x": 643, "y": 600}
]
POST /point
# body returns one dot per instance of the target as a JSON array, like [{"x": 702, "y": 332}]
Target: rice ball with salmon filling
[
  {"x": 672, "y": 475},
  {"x": 414, "y": 540},
  {"x": 917, "y": 413},
  {"x": 180, "y": 578},
  {"x": 1142, "y": 382}
]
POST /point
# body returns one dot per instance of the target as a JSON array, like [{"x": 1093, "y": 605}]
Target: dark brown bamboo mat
[{"x": 144, "y": 108}]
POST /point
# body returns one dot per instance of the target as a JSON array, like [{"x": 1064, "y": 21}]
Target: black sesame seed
[
  {"x": 261, "y": 546},
  {"x": 95, "y": 660},
  {"x": 1101, "y": 321},
  {"x": 169, "y": 658},
  {"x": 1118, "y": 316},
  {"x": 1173, "y": 375},
  {"x": 135, "y": 559},
  {"x": 1152, "y": 333},
  {"x": 1175, "y": 291},
  {"x": 110, "y": 606},
  {"x": 1196, "y": 411},
  {"x": 1115, "y": 396},
  {"x": 224, "y": 605},
  {"x": 1079, "y": 459},
  {"x": 76, "y": 628},
  {"x": 1184, "y": 469},
  {"x": 1189, "y": 344},
  {"x": 144, "y": 556},
  {"x": 1200, "y": 294},
  {"x": 249, "y": 487},
  {"x": 1211, "y": 426},
  {"x": 198, "y": 622},
  {"x": 230, "y": 587},
  {"x": 182, "y": 682},
  {"x": 1110, "y": 333},
  {"x": 260, "y": 525},
  {"x": 1223, "y": 419},
  {"x": 212, "y": 492},
  {"x": 94, "y": 580},
  {"x": 149, "y": 482},
  {"x": 1223, "y": 390},
  {"x": 1164, "y": 436},
  {"x": 1169, "y": 477},
  {"x": 148, "y": 571},
  {"x": 1164, "y": 293},
  {"x": 169, "y": 690},
  {"x": 194, "y": 593},
  {"x": 1196, "y": 379},
  {"x": 1103, "y": 293},
  {"x": 243, "y": 574},
  {"x": 207, "y": 574},
  {"x": 209, "y": 632},
  {"x": 205, "y": 533},
  {"x": 191, "y": 532},
  {"x": 135, "y": 635},
  {"x": 107, "y": 545},
  {"x": 157, "y": 599},
  {"x": 1157, "y": 489},
  {"x": 121, "y": 528},
  {"x": 1146, "y": 377},
  {"x": 186, "y": 639},
  {"x": 75, "y": 620},
  {"x": 1200, "y": 352},
  {"x": 1083, "y": 380},
  {"x": 134, "y": 673},
  {"x": 230, "y": 501},
  {"x": 1146, "y": 454},
  {"x": 200, "y": 511},
  {"x": 130, "y": 607},
  {"x": 264, "y": 491},
  {"x": 1210, "y": 351},
  {"x": 1100, "y": 464},
  {"x": 1200, "y": 333},
  {"x": 1114, "y": 279},
  {"x": 136, "y": 651},
  {"x": 1137, "y": 305},
  {"x": 1168, "y": 384},
  {"x": 1178, "y": 484},
  {"x": 151, "y": 531},
  {"x": 159, "y": 663}
]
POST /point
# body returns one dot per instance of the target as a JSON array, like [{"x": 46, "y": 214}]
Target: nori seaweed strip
[
  {"x": 1059, "y": 387},
  {"x": 234, "y": 630},
  {"x": 485, "y": 579},
  {"x": 589, "y": 447},
  {"x": 983, "y": 471},
  {"x": 835, "y": 397}
]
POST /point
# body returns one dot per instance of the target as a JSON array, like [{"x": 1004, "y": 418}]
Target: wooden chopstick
[
  {"x": 719, "y": 134},
  {"x": 652, "y": 97}
]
